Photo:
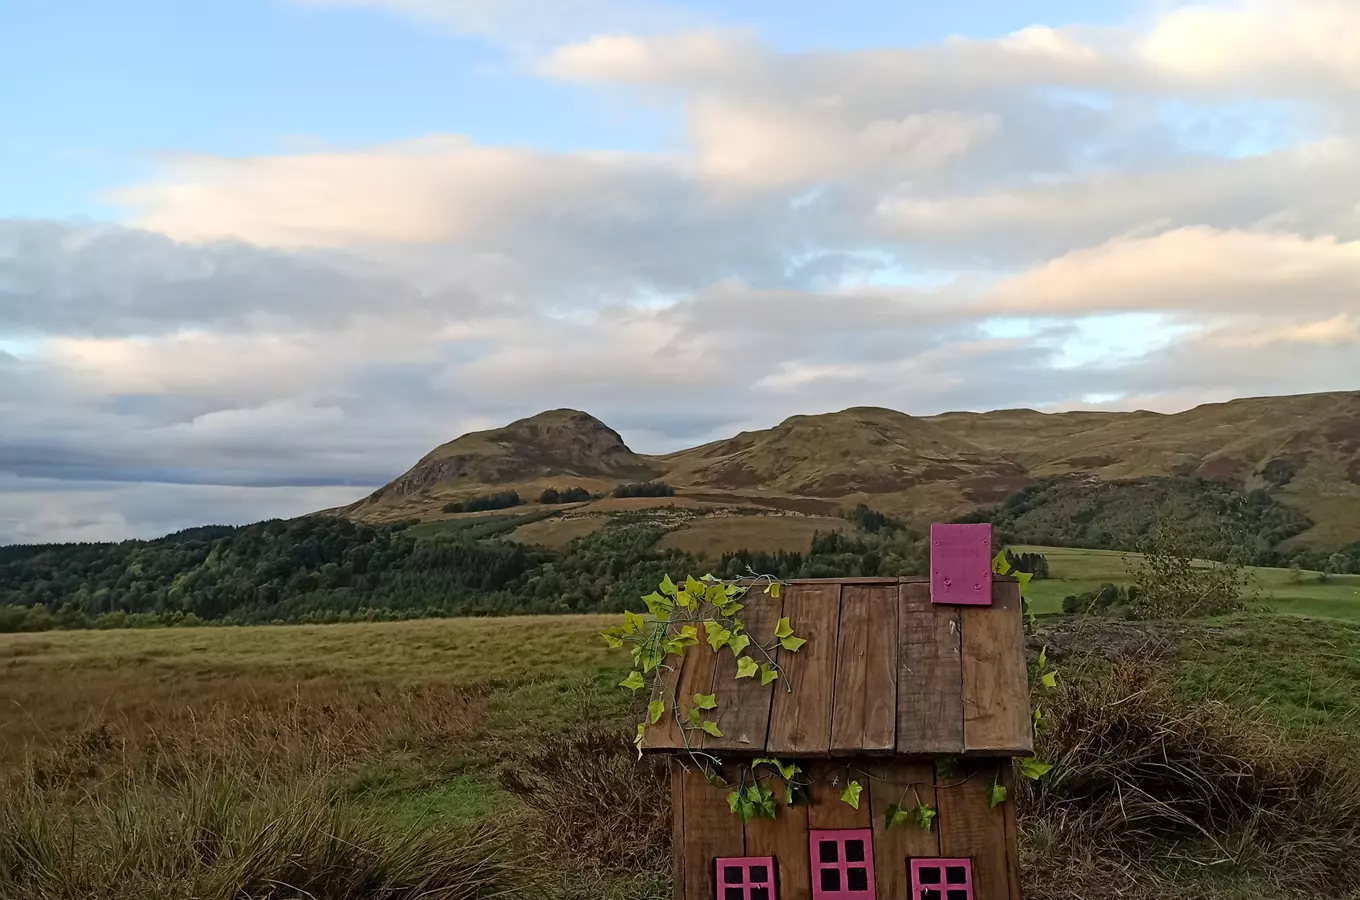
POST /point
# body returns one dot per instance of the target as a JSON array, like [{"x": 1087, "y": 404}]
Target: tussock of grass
[
  {"x": 1144, "y": 776},
  {"x": 211, "y": 839},
  {"x": 593, "y": 802}
]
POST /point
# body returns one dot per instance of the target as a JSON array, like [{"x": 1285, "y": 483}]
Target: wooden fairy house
[{"x": 902, "y": 710}]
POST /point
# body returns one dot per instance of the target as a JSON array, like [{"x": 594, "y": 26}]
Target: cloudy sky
[{"x": 258, "y": 256}]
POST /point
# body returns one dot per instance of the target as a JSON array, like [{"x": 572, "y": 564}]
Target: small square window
[
  {"x": 842, "y": 864},
  {"x": 745, "y": 878},
  {"x": 928, "y": 876}
]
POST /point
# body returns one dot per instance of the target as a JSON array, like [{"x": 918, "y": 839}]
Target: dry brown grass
[
  {"x": 558, "y": 532},
  {"x": 712, "y": 536}
]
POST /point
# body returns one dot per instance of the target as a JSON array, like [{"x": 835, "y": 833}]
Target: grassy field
[
  {"x": 398, "y": 736},
  {"x": 1075, "y": 571}
]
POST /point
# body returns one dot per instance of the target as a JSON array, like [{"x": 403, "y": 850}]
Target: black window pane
[
  {"x": 930, "y": 895},
  {"x": 854, "y": 851},
  {"x": 955, "y": 895},
  {"x": 831, "y": 879},
  {"x": 857, "y": 879},
  {"x": 930, "y": 875},
  {"x": 956, "y": 875},
  {"x": 826, "y": 851},
  {"x": 760, "y": 894},
  {"x": 759, "y": 875},
  {"x": 732, "y": 875},
  {"x": 734, "y": 894}
]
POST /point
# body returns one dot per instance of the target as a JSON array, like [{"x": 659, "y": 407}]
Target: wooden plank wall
[
  {"x": 705, "y": 828},
  {"x": 884, "y": 671}
]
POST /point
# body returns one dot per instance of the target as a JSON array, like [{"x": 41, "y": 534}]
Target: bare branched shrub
[{"x": 1184, "y": 572}]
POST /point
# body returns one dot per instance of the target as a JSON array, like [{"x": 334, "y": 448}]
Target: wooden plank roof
[{"x": 884, "y": 672}]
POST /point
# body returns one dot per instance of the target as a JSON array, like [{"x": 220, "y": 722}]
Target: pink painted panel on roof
[
  {"x": 961, "y": 564},
  {"x": 941, "y": 879},
  {"x": 842, "y": 864},
  {"x": 746, "y": 878}
]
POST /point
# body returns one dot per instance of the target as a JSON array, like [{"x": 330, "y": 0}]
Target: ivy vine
[{"x": 657, "y": 646}]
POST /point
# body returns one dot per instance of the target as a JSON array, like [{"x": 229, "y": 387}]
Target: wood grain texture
[
  {"x": 698, "y": 679},
  {"x": 930, "y": 675},
  {"x": 864, "y": 707},
  {"x": 830, "y": 777},
  {"x": 968, "y": 828},
  {"x": 996, "y": 716},
  {"x": 1012, "y": 833},
  {"x": 710, "y": 831},
  {"x": 904, "y": 784},
  {"x": 677, "y": 831},
  {"x": 786, "y": 839},
  {"x": 800, "y": 720},
  {"x": 744, "y": 704},
  {"x": 667, "y": 734}
]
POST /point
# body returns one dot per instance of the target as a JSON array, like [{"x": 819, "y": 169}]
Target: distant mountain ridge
[{"x": 1303, "y": 448}]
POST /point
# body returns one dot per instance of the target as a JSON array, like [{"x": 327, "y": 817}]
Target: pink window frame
[
  {"x": 841, "y": 836},
  {"x": 745, "y": 863},
  {"x": 918, "y": 889}
]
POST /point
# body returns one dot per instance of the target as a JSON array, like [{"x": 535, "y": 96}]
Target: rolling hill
[{"x": 1304, "y": 449}]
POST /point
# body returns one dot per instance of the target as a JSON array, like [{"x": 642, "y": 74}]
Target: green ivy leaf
[
  {"x": 693, "y": 718},
  {"x": 792, "y": 644},
  {"x": 1050, "y": 679},
  {"x": 612, "y": 639},
  {"x": 684, "y": 600},
  {"x": 714, "y": 777},
  {"x": 733, "y": 799},
  {"x": 1038, "y": 716},
  {"x": 851, "y": 794},
  {"x": 655, "y": 709},
  {"x": 1034, "y": 769},
  {"x": 667, "y": 586},
  {"x": 715, "y": 595},
  {"x": 718, "y": 636},
  {"x": 709, "y": 577},
  {"x": 999, "y": 564},
  {"x": 731, "y": 608},
  {"x": 1024, "y": 579},
  {"x": 768, "y": 673},
  {"x": 711, "y": 727},
  {"x": 1043, "y": 659},
  {"x": 660, "y": 607},
  {"x": 632, "y": 622},
  {"x": 773, "y": 589},
  {"x": 996, "y": 795},
  {"x": 693, "y": 586},
  {"x": 739, "y": 643},
  {"x": 633, "y": 682},
  {"x": 788, "y": 795},
  {"x": 925, "y": 816},
  {"x": 896, "y": 817},
  {"x": 688, "y": 636},
  {"x": 783, "y": 628},
  {"x": 705, "y": 701},
  {"x": 746, "y": 667}
]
